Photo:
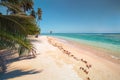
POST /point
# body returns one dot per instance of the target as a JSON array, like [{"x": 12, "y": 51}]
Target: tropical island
[{"x": 28, "y": 54}]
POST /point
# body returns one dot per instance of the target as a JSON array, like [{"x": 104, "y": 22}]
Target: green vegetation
[{"x": 19, "y": 22}]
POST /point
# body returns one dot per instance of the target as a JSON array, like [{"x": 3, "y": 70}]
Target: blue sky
[{"x": 79, "y": 16}]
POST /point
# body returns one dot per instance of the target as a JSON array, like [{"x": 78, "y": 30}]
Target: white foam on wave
[{"x": 115, "y": 57}]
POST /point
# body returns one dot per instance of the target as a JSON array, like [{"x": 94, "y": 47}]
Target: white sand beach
[{"x": 61, "y": 60}]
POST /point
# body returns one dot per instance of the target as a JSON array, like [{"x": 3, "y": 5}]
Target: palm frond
[
  {"x": 15, "y": 28},
  {"x": 14, "y": 39},
  {"x": 21, "y": 24},
  {"x": 12, "y": 7}
]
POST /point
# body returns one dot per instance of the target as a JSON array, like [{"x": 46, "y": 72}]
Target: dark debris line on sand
[{"x": 70, "y": 54}]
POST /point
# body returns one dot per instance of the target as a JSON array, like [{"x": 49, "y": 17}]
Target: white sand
[
  {"x": 54, "y": 64},
  {"x": 46, "y": 66}
]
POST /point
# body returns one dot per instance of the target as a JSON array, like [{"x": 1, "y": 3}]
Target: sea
[{"x": 108, "y": 41}]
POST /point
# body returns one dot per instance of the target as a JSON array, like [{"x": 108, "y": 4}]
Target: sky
[{"x": 79, "y": 16}]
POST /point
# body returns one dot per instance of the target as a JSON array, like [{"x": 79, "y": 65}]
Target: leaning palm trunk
[
  {"x": 15, "y": 31},
  {"x": 15, "y": 28},
  {"x": 2, "y": 65}
]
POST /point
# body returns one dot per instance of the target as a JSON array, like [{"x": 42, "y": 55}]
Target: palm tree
[
  {"x": 39, "y": 13},
  {"x": 33, "y": 14},
  {"x": 26, "y": 5},
  {"x": 12, "y": 6},
  {"x": 18, "y": 5},
  {"x": 15, "y": 27}
]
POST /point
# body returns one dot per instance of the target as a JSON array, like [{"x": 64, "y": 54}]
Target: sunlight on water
[{"x": 106, "y": 41}]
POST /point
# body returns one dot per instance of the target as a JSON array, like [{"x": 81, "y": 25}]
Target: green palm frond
[
  {"x": 10, "y": 24},
  {"x": 26, "y": 4},
  {"x": 15, "y": 28},
  {"x": 39, "y": 13},
  {"x": 21, "y": 24},
  {"x": 12, "y": 7},
  {"x": 15, "y": 39},
  {"x": 6, "y": 44}
]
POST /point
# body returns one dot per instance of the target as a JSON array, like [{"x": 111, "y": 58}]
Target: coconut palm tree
[
  {"x": 12, "y": 6},
  {"x": 26, "y": 5},
  {"x": 33, "y": 13},
  {"x": 23, "y": 5},
  {"x": 15, "y": 27},
  {"x": 39, "y": 13}
]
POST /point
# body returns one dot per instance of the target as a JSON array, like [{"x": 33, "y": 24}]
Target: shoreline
[
  {"x": 112, "y": 48},
  {"x": 65, "y": 60},
  {"x": 106, "y": 54},
  {"x": 104, "y": 61}
]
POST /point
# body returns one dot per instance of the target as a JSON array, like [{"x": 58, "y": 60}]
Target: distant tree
[
  {"x": 39, "y": 13},
  {"x": 33, "y": 13},
  {"x": 51, "y": 32},
  {"x": 0, "y": 13}
]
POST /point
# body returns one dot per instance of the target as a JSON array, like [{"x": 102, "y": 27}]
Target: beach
[{"x": 59, "y": 59}]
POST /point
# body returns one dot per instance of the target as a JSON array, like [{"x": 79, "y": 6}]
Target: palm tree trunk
[{"x": 2, "y": 65}]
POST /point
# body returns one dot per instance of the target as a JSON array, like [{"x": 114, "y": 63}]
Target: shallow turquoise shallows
[{"x": 108, "y": 41}]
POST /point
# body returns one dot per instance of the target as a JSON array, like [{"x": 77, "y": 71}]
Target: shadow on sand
[
  {"x": 33, "y": 40},
  {"x": 18, "y": 73},
  {"x": 19, "y": 59}
]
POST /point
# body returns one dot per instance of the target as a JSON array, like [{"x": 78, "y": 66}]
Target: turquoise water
[{"x": 108, "y": 41}]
